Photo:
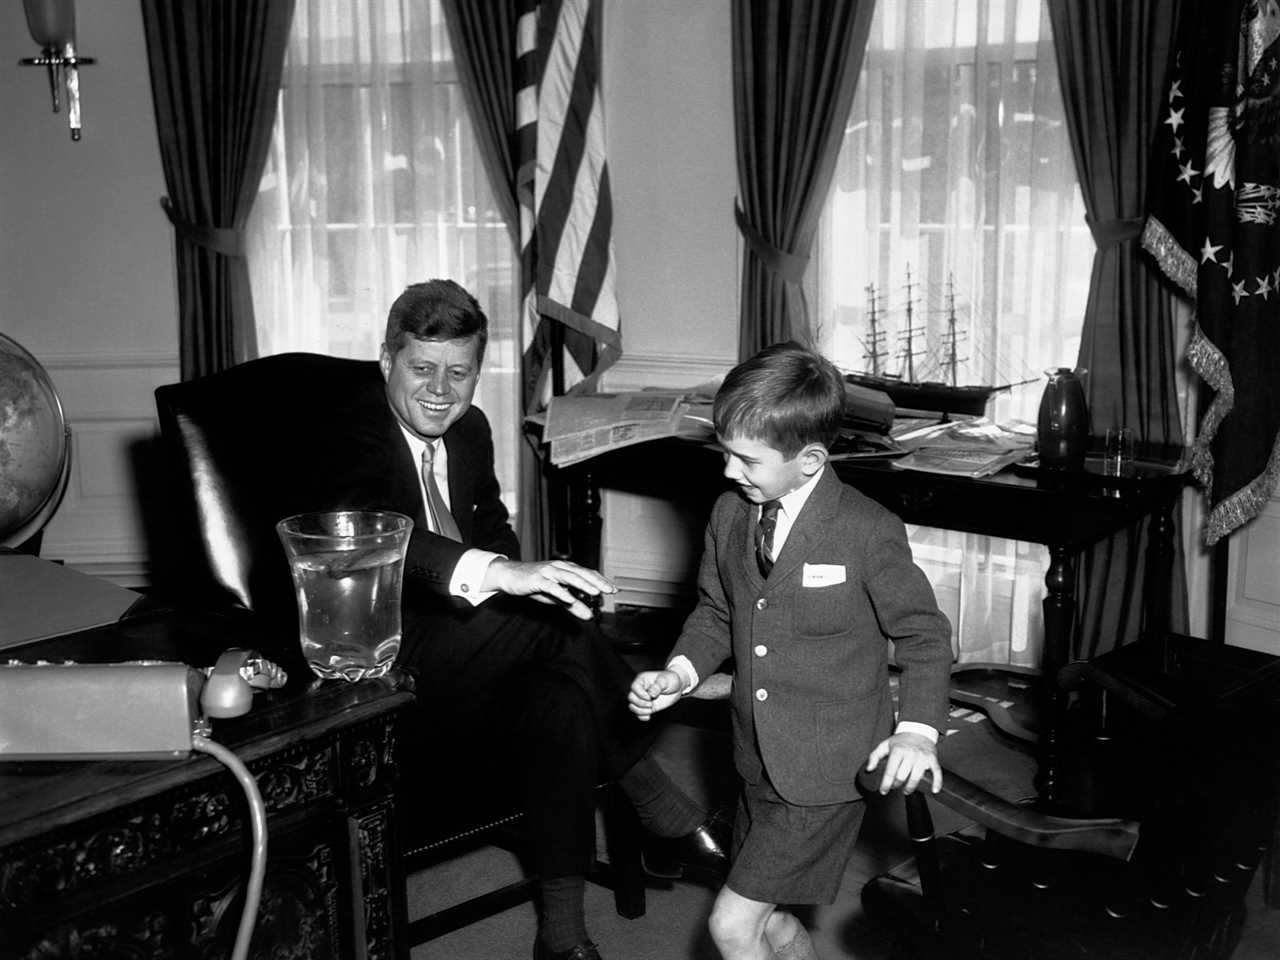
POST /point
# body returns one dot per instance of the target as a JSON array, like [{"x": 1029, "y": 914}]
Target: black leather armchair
[{"x": 239, "y": 444}]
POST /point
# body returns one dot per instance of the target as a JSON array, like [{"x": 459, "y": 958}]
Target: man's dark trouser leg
[{"x": 553, "y": 752}]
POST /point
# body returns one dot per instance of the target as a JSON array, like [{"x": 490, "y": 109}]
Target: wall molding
[
  {"x": 108, "y": 361},
  {"x": 636, "y": 371}
]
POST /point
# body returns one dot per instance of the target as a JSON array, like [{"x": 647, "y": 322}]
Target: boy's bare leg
[
  {"x": 788, "y": 937},
  {"x": 746, "y": 929}
]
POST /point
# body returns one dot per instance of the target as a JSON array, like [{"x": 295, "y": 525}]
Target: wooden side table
[
  {"x": 149, "y": 858},
  {"x": 1064, "y": 511}
]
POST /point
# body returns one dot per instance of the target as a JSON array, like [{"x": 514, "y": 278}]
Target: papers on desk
[
  {"x": 40, "y": 599},
  {"x": 580, "y": 427},
  {"x": 965, "y": 448}
]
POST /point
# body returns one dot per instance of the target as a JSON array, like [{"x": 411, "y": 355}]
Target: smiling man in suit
[{"x": 511, "y": 670}]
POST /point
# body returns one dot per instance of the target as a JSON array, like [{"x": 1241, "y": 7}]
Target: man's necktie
[
  {"x": 438, "y": 515},
  {"x": 764, "y": 535}
]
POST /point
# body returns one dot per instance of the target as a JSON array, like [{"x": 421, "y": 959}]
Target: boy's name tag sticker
[{"x": 822, "y": 575}]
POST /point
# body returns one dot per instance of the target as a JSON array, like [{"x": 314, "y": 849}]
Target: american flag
[{"x": 562, "y": 183}]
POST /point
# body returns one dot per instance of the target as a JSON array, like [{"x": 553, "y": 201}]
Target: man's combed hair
[
  {"x": 435, "y": 310},
  {"x": 786, "y": 395}
]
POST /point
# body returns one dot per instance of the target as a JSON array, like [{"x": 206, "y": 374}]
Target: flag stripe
[
  {"x": 563, "y": 189},
  {"x": 596, "y": 256},
  {"x": 565, "y": 99}
]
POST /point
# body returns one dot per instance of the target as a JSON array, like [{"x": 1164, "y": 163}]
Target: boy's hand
[
  {"x": 907, "y": 756},
  {"x": 654, "y": 690}
]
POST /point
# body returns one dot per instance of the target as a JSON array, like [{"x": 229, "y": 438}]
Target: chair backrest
[{"x": 240, "y": 444}]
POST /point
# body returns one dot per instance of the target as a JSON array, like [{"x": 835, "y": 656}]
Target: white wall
[
  {"x": 669, "y": 125},
  {"x": 86, "y": 268}
]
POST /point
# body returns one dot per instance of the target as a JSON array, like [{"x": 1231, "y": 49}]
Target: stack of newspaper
[
  {"x": 965, "y": 448},
  {"x": 580, "y": 427}
]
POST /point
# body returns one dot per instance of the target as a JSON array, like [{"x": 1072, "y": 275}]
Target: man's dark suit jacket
[
  {"x": 811, "y": 693},
  {"x": 366, "y": 464}
]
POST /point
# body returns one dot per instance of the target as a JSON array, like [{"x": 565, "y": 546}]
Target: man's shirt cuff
[
  {"x": 683, "y": 668},
  {"x": 469, "y": 574},
  {"x": 924, "y": 729}
]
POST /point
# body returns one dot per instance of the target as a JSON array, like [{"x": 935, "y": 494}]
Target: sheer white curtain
[
  {"x": 375, "y": 181},
  {"x": 956, "y": 171}
]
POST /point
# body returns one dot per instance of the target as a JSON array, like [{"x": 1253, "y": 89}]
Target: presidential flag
[
  {"x": 1212, "y": 227},
  {"x": 570, "y": 312}
]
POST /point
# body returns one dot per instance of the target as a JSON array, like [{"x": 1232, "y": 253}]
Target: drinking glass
[
  {"x": 1117, "y": 454},
  {"x": 348, "y": 570}
]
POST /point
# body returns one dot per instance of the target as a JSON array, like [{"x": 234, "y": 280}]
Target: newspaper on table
[
  {"x": 965, "y": 448},
  {"x": 581, "y": 427}
]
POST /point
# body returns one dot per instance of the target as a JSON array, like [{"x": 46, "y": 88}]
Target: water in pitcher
[{"x": 347, "y": 628}]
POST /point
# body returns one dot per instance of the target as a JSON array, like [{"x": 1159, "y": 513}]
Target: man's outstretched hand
[{"x": 549, "y": 581}]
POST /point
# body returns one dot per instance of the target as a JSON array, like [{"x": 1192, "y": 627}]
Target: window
[
  {"x": 375, "y": 181},
  {"x": 955, "y": 194}
]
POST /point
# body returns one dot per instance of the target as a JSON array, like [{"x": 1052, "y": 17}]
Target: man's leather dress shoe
[
  {"x": 700, "y": 855},
  {"x": 579, "y": 951}
]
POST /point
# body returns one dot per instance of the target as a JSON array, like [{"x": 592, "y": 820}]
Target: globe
[{"x": 35, "y": 445}]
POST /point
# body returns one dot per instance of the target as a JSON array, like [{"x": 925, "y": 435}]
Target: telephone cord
[{"x": 258, "y": 824}]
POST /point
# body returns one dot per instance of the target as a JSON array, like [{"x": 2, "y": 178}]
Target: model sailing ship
[{"x": 910, "y": 387}]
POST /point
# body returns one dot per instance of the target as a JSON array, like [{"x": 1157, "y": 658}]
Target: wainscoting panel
[
  {"x": 1253, "y": 583},
  {"x": 664, "y": 370},
  {"x": 650, "y": 549},
  {"x": 109, "y": 402}
]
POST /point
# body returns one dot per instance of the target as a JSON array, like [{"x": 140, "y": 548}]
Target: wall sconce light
[{"x": 53, "y": 26}]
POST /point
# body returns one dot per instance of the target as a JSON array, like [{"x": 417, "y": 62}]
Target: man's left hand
[
  {"x": 907, "y": 757},
  {"x": 548, "y": 581}
]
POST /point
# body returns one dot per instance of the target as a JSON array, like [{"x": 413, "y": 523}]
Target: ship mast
[
  {"x": 873, "y": 350},
  {"x": 908, "y": 338},
  {"x": 953, "y": 361}
]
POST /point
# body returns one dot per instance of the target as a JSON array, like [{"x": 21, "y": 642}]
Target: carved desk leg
[
  {"x": 1160, "y": 555},
  {"x": 585, "y": 521},
  {"x": 381, "y": 922},
  {"x": 1059, "y": 615}
]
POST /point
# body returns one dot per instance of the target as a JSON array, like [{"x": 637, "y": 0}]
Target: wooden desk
[
  {"x": 149, "y": 858},
  {"x": 1065, "y": 512}
]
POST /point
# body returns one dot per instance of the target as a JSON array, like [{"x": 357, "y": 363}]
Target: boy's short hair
[
  {"x": 435, "y": 310},
  {"x": 786, "y": 395}
]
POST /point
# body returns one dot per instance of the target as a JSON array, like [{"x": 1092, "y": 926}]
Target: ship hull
[{"x": 969, "y": 400}]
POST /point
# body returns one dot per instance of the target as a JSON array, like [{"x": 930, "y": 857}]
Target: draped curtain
[
  {"x": 483, "y": 34},
  {"x": 377, "y": 178},
  {"x": 215, "y": 74},
  {"x": 794, "y": 70},
  {"x": 1113, "y": 60},
  {"x": 954, "y": 195},
  {"x": 484, "y": 40}
]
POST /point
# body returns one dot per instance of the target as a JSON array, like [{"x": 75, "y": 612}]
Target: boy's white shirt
[{"x": 790, "y": 505}]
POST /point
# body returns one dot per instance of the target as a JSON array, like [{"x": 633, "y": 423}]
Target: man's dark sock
[
  {"x": 664, "y": 809},
  {"x": 563, "y": 923}
]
